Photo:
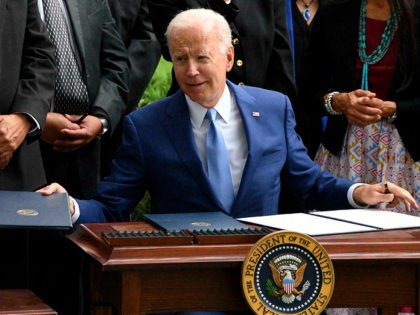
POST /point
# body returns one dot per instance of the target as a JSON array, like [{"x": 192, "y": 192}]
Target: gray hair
[{"x": 210, "y": 21}]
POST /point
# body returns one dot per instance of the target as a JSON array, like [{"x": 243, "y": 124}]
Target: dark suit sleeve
[
  {"x": 143, "y": 49},
  {"x": 119, "y": 193},
  {"x": 35, "y": 89},
  {"x": 111, "y": 97}
]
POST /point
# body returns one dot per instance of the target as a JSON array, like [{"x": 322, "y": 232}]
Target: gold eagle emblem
[{"x": 288, "y": 277}]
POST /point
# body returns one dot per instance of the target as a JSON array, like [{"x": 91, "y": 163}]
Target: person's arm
[
  {"x": 35, "y": 91},
  {"x": 111, "y": 98},
  {"x": 321, "y": 190},
  {"x": 383, "y": 192},
  {"x": 119, "y": 193}
]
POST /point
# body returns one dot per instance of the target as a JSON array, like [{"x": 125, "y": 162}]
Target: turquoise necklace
[{"x": 387, "y": 36}]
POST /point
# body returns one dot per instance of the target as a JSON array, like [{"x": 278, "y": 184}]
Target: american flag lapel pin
[{"x": 256, "y": 114}]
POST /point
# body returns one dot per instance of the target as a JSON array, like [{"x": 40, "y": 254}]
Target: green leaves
[{"x": 159, "y": 83}]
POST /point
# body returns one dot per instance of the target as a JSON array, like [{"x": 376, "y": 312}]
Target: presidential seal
[
  {"x": 287, "y": 273},
  {"x": 27, "y": 212}
]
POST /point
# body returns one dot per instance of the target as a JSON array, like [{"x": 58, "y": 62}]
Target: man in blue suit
[{"x": 164, "y": 150}]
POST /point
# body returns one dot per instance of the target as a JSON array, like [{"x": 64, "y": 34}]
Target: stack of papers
[{"x": 337, "y": 221}]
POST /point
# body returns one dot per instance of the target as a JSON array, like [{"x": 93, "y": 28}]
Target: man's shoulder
[
  {"x": 258, "y": 93},
  {"x": 155, "y": 108}
]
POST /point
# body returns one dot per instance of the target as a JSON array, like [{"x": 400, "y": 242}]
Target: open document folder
[
  {"x": 337, "y": 221},
  {"x": 27, "y": 209}
]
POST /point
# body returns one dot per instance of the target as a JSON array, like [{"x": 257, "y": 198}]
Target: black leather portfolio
[{"x": 26, "y": 209}]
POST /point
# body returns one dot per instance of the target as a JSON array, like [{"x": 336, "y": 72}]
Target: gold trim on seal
[{"x": 287, "y": 273}]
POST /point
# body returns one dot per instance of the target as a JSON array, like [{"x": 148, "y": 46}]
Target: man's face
[{"x": 199, "y": 65}]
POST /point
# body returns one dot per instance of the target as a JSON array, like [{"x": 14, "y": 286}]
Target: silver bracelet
[
  {"x": 327, "y": 104},
  {"x": 392, "y": 118}
]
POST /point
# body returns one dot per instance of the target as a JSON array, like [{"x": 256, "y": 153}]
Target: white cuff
[
  {"x": 350, "y": 196},
  {"x": 76, "y": 213}
]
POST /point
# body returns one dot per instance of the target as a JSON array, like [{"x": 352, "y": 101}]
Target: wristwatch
[{"x": 105, "y": 126}]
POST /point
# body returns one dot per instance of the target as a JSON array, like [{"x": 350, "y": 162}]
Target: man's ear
[{"x": 230, "y": 56}]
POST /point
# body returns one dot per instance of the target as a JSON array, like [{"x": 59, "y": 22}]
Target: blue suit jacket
[{"x": 158, "y": 153}]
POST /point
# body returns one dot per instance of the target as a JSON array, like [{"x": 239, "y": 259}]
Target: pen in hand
[
  {"x": 386, "y": 188},
  {"x": 81, "y": 119}
]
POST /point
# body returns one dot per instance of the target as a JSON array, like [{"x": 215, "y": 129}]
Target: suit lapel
[
  {"x": 252, "y": 118},
  {"x": 178, "y": 127},
  {"x": 76, "y": 19}
]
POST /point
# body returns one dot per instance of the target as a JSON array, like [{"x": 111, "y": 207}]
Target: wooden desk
[
  {"x": 379, "y": 269},
  {"x": 22, "y": 302}
]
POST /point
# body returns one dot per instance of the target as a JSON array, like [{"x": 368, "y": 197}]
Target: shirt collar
[{"x": 198, "y": 112}]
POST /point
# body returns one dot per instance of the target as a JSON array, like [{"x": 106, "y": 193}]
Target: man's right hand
[
  {"x": 57, "y": 188},
  {"x": 13, "y": 130}
]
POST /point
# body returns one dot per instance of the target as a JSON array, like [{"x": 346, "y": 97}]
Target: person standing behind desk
[
  {"x": 369, "y": 87},
  {"x": 143, "y": 51},
  {"x": 92, "y": 81},
  {"x": 263, "y": 55},
  {"x": 364, "y": 73},
  {"x": 303, "y": 13},
  {"x": 90, "y": 98},
  {"x": 27, "y": 74}
]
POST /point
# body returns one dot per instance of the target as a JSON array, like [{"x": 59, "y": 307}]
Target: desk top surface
[
  {"x": 375, "y": 246},
  {"x": 22, "y": 302}
]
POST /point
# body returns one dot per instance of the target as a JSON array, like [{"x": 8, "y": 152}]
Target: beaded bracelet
[{"x": 328, "y": 106}]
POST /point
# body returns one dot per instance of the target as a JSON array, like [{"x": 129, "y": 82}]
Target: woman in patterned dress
[
  {"x": 371, "y": 131},
  {"x": 363, "y": 74}
]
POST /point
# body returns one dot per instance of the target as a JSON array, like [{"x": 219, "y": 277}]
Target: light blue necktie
[{"x": 218, "y": 162}]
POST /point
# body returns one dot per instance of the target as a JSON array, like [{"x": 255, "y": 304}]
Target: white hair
[{"x": 209, "y": 20}]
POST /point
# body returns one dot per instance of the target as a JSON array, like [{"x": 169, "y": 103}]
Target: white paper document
[
  {"x": 307, "y": 224},
  {"x": 381, "y": 219},
  {"x": 337, "y": 221}
]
